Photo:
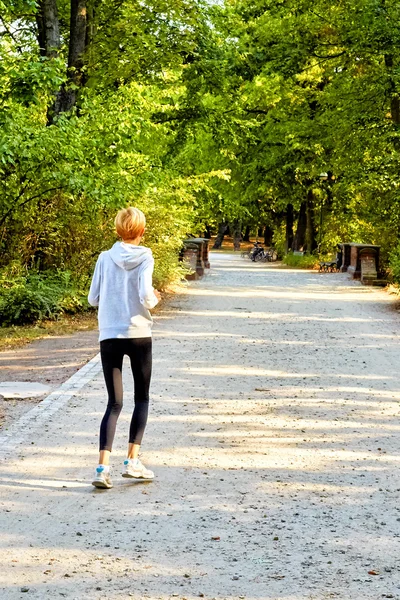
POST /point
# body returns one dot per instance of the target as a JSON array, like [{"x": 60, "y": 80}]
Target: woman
[{"x": 122, "y": 289}]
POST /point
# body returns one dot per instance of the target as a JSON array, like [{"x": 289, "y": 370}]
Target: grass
[{"x": 19, "y": 335}]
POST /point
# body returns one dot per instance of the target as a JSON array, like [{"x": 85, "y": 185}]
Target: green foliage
[
  {"x": 33, "y": 297},
  {"x": 279, "y": 240},
  {"x": 395, "y": 264},
  {"x": 63, "y": 181},
  {"x": 21, "y": 304},
  {"x": 308, "y": 261},
  {"x": 311, "y": 88},
  {"x": 198, "y": 113}
]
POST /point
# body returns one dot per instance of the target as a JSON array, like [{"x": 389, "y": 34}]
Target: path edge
[{"x": 39, "y": 414}]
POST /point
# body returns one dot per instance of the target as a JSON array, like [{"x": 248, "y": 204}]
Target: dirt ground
[
  {"x": 274, "y": 436},
  {"x": 49, "y": 361}
]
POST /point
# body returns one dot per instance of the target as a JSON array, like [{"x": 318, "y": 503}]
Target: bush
[
  {"x": 20, "y": 304},
  {"x": 279, "y": 240},
  {"x": 168, "y": 270},
  {"x": 37, "y": 296},
  {"x": 394, "y": 263},
  {"x": 307, "y": 261}
]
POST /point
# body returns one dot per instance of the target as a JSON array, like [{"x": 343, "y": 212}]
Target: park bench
[
  {"x": 329, "y": 266},
  {"x": 194, "y": 254}
]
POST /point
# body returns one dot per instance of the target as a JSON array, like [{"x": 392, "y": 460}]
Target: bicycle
[
  {"x": 271, "y": 254},
  {"x": 250, "y": 253},
  {"x": 268, "y": 255},
  {"x": 257, "y": 252}
]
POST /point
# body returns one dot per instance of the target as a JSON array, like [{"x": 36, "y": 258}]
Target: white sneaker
[
  {"x": 134, "y": 468},
  {"x": 102, "y": 478}
]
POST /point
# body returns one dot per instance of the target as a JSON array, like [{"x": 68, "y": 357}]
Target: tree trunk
[
  {"x": 48, "y": 28},
  {"x": 222, "y": 227},
  {"x": 246, "y": 236},
  {"x": 300, "y": 237},
  {"x": 289, "y": 228},
  {"x": 268, "y": 234},
  {"x": 67, "y": 96},
  {"x": 207, "y": 232},
  {"x": 41, "y": 35},
  {"x": 260, "y": 232},
  {"x": 310, "y": 240},
  {"x": 236, "y": 233},
  {"x": 91, "y": 29}
]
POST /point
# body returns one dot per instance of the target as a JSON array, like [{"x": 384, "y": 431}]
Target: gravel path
[{"x": 274, "y": 434}]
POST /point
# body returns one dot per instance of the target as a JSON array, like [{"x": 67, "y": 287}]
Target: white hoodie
[{"x": 122, "y": 289}]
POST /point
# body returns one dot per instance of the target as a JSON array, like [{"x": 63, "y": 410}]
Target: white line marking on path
[{"x": 33, "y": 419}]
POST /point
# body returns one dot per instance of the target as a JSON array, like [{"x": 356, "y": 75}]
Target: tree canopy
[{"x": 280, "y": 114}]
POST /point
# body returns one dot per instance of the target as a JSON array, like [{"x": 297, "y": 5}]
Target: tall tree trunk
[
  {"x": 310, "y": 229},
  {"x": 67, "y": 96},
  {"x": 41, "y": 34},
  {"x": 289, "y": 228},
  {"x": 49, "y": 39},
  {"x": 300, "y": 237},
  {"x": 260, "y": 232},
  {"x": 246, "y": 236},
  {"x": 268, "y": 234},
  {"x": 236, "y": 233},
  {"x": 48, "y": 28},
  {"x": 91, "y": 29},
  {"x": 222, "y": 227}
]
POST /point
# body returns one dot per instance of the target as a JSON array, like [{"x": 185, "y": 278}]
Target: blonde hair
[{"x": 130, "y": 223}]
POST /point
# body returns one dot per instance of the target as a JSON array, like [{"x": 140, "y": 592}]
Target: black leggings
[{"x": 112, "y": 353}]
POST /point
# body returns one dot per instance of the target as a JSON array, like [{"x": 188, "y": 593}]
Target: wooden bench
[{"x": 328, "y": 266}]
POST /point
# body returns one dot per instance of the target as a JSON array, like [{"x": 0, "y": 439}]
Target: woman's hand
[{"x": 157, "y": 295}]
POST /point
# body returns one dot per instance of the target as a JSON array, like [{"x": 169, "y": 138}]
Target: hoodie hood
[{"x": 128, "y": 256}]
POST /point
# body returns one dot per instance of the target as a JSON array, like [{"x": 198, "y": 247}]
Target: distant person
[{"x": 122, "y": 289}]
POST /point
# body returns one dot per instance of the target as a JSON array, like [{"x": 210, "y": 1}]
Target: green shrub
[
  {"x": 36, "y": 296},
  {"x": 307, "y": 261},
  {"x": 279, "y": 240},
  {"x": 394, "y": 263},
  {"x": 168, "y": 270},
  {"x": 20, "y": 304}
]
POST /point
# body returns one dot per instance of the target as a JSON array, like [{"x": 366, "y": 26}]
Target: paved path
[{"x": 274, "y": 434}]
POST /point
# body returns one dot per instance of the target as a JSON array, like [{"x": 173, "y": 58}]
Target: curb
[{"x": 17, "y": 433}]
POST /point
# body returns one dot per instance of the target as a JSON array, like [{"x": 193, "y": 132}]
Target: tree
[{"x": 81, "y": 131}]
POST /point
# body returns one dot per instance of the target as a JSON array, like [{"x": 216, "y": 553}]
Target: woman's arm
[
  {"x": 94, "y": 292},
  {"x": 146, "y": 290}
]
